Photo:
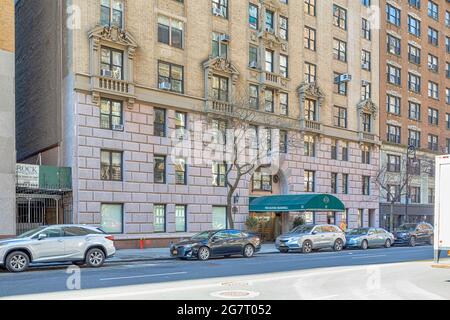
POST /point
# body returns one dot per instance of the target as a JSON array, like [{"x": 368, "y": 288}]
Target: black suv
[{"x": 413, "y": 233}]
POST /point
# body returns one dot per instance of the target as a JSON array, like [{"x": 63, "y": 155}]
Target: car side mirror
[
  {"x": 214, "y": 239},
  {"x": 42, "y": 236},
  {"x": 314, "y": 232}
]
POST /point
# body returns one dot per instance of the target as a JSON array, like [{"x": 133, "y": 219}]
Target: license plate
[
  {"x": 175, "y": 252},
  {"x": 283, "y": 245}
]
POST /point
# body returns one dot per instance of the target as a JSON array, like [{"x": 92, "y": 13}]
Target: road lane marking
[
  {"x": 144, "y": 276},
  {"x": 369, "y": 256}
]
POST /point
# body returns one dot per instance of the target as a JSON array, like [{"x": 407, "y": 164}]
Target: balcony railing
[
  {"x": 272, "y": 78},
  {"x": 114, "y": 86},
  {"x": 221, "y": 107},
  {"x": 310, "y": 125}
]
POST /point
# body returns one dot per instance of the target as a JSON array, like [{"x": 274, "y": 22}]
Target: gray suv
[
  {"x": 78, "y": 244},
  {"x": 311, "y": 237}
]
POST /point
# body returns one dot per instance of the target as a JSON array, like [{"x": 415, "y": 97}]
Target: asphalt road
[{"x": 165, "y": 273}]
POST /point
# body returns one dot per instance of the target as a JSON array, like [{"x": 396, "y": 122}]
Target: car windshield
[
  {"x": 407, "y": 227},
  {"x": 31, "y": 232},
  {"x": 302, "y": 229},
  {"x": 202, "y": 235},
  {"x": 358, "y": 232}
]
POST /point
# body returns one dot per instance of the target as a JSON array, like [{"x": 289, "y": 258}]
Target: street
[{"x": 394, "y": 273}]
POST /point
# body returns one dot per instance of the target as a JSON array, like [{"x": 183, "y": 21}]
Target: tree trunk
[
  {"x": 391, "y": 218},
  {"x": 230, "y": 208}
]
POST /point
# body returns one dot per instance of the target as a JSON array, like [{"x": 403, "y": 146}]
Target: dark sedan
[
  {"x": 413, "y": 233},
  {"x": 217, "y": 243}
]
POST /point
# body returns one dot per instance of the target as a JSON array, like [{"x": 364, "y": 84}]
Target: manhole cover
[{"x": 235, "y": 294}]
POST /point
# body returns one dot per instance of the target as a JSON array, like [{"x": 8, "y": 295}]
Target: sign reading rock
[{"x": 27, "y": 175}]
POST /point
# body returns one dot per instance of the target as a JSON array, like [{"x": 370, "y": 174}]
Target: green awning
[{"x": 296, "y": 203}]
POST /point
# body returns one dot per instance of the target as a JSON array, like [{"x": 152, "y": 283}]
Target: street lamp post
[{"x": 410, "y": 157}]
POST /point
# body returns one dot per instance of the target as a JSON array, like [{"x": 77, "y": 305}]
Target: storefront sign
[{"x": 27, "y": 176}]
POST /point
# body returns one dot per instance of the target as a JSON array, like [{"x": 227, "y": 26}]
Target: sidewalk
[{"x": 134, "y": 255}]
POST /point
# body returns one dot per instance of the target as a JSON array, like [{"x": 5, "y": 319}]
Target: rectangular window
[
  {"x": 344, "y": 151},
  {"x": 270, "y": 21},
  {"x": 414, "y": 138},
  {"x": 219, "y": 88},
  {"x": 309, "y": 146},
  {"x": 112, "y": 13},
  {"x": 269, "y": 61},
  {"x": 111, "y": 165},
  {"x": 366, "y": 186},
  {"x": 414, "y": 54},
  {"x": 159, "y": 174},
  {"x": 366, "y": 29},
  {"x": 393, "y": 15},
  {"x": 170, "y": 77},
  {"x": 394, "y": 75},
  {"x": 393, "y": 45},
  {"x": 414, "y": 26},
  {"x": 366, "y": 90},
  {"x": 414, "y": 111},
  {"x": 284, "y": 69},
  {"x": 414, "y": 3},
  {"x": 112, "y": 218},
  {"x": 283, "y": 141},
  {"x": 393, "y": 134},
  {"x": 180, "y": 171},
  {"x": 433, "y": 90},
  {"x": 339, "y": 50},
  {"x": 345, "y": 183},
  {"x": 310, "y": 109},
  {"x": 310, "y": 72},
  {"x": 159, "y": 218},
  {"x": 310, "y": 7},
  {"x": 284, "y": 104},
  {"x": 334, "y": 182},
  {"x": 253, "y": 16},
  {"x": 219, "y": 171},
  {"x": 170, "y": 31},
  {"x": 433, "y": 116},
  {"x": 180, "y": 218},
  {"x": 111, "y": 114},
  {"x": 111, "y": 63},
  {"x": 262, "y": 181},
  {"x": 219, "y": 46},
  {"x": 339, "y": 17},
  {"x": 181, "y": 125},
  {"x": 433, "y": 36},
  {"x": 414, "y": 194},
  {"x": 254, "y": 96},
  {"x": 340, "y": 117},
  {"x": 334, "y": 148},
  {"x": 393, "y": 104},
  {"x": 310, "y": 38},
  {"x": 269, "y": 101},
  {"x": 340, "y": 87},
  {"x": 220, "y": 8},
  {"x": 433, "y": 63},
  {"x": 219, "y": 218},
  {"x": 366, "y": 60},
  {"x": 431, "y": 195},
  {"x": 367, "y": 122},
  {"x": 253, "y": 57},
  {"x": 284, "y": 29},
  {"x": 310, "y": 177},
  {"x": 159, "y": 122},
  {"x": 447, "y": 120},
  {"x": 394, "y": 163},
  {"x": 414, "y": 83},
  {"x": 365, "y": 154}
]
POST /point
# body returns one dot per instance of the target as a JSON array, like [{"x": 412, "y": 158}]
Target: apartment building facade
[
  {"x": 7, "y": 131},
  {"x": 132, "y": 74},
  {"x": 415, "y": 100}
]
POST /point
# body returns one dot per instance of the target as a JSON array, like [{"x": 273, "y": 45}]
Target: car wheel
[
  {"x": 388, "y": 243},
  {"x": 284, "y": 250},
  {"x": 307, "y": 246},
  {"x": 203, "y": 254},
  {"x": 95, "y": 258},
  {"x": 338, "y": 245},
  {"x": 364, "y": 245},
  {"x": 249, "y": 251},
  {"x": 17, "y": 261},
  {"x": 412, "y": 242}
]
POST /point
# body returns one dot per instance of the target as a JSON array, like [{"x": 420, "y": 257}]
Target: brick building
[
  {"x": 113, "y": 81},
  {"x": 7, "y": 132},
  {"x": 414, "y": 100}
]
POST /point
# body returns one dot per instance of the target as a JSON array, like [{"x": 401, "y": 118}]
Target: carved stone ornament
[
  {"x": 368, "y": 106},
  {"x": 311, "y": 90},
  {"x": 223, "y": 66},
  {"x": 113, "y": 34}
]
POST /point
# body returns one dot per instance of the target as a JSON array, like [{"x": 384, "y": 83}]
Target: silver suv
[
  {"x": 78, "y": 244},
  {"x": 311, "y": 237}
]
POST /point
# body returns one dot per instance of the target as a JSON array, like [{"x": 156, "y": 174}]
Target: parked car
[
  {"x": 311, "y": 237},
  {"x": 413, "y": 233},
  {"x": 77, "y": 244},
  {"x": 369, "y": 237},
  {"x": 216, "y": 243}
]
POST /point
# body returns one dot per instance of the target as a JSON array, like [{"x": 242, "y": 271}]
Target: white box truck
[{"x": 442, "y": 206}]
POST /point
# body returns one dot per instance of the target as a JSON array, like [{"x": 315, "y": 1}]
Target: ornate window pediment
[
  {"x": 368, "y": 106},
  {"x": 115, "y": 38},
  {"x": 311, "y": 90},
  {"x": 221, "y": 66}
]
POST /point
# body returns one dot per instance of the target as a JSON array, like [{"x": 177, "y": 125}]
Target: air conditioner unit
[
  {"x": 366, "y": 65},
  {"x": 224, "y": 38},
  {"x": 432, "y": 66},
  {"x": 117, "y": 127},
  {"x": 269, "y": 29},
  {"x": 106, "y": 73},
  {"x": 253, "y": 64},
  {"x": 165, "y": 85},
  {"x": 217, "y": 12},
  {"x": 365, "y": 82},
  {"x": 345, "y": 78}
]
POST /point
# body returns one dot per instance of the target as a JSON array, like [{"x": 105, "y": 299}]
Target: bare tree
[{"x": 394, "y": 182}]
